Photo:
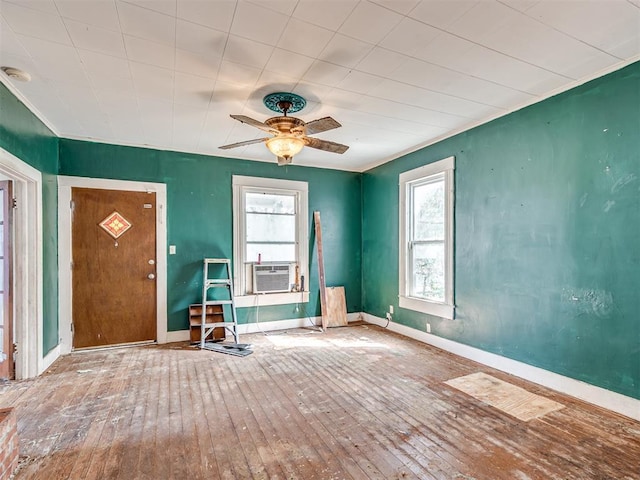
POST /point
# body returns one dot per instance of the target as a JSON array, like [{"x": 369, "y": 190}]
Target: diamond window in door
[{"x": 115, "y": 225}]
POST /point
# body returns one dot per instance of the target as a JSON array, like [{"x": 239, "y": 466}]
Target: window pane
[
  {"x": 270, "y": 203},
  {"x": 428, "y": 211},
  {"x": 271, "y": 253},
  {"x": 427, "y": 268},
  {"x": 271, "y": 228}
]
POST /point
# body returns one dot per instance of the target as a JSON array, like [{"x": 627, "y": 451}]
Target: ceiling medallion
[
  {"x": 115, "y": 225},
  {"x": 273, "y": 100}
]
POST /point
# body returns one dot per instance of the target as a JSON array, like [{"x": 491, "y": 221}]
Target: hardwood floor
[{"x": 354, "y": 403}]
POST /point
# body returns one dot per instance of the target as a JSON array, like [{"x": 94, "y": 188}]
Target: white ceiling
[{"x": 397, "y": 74}]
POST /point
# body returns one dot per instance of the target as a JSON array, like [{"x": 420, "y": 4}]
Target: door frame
[
  {"x": 28, "y": 265},
  {"x": 65, "y": 184}
]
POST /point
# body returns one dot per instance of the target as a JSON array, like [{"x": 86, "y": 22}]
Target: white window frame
[
  {"x": 241, "y": 185},
  {"x": 406, "y": 181}
]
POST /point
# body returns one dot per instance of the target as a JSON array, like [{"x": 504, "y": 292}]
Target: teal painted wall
[
  {"x": 26, "y": 137},
  {"x": 547, "y": 229},
  {"x": 199, "y": 197}
]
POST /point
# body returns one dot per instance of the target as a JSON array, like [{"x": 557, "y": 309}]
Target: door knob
[{"x": 151, "y": 276}]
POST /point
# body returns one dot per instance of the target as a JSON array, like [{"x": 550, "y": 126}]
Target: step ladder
[{"x": 222, "y": 268}]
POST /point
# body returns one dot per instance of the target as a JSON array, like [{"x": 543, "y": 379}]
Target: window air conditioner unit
[{"x": 271, "y": 278}]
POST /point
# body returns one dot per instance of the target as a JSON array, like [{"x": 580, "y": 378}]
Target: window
[
  {"x": 270, "y": 225},
  {"x": 426, "y": 239}
]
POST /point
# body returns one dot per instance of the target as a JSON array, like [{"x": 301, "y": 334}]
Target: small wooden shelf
[{"x": 214, "y": 315}]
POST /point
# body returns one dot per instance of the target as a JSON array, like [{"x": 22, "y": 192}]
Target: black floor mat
[{"x": 238, "y": 349}]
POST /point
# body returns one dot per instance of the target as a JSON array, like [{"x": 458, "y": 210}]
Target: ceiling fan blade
[
  {"x": 255, "y": 123},
  {"x": 321, "y": 125},
  {"x": 325, "y": 145},
  {"x": 242, "y": 144},
  {"x": 284, "y": 161}
]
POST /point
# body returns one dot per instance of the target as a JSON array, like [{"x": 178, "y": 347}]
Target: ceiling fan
[{"x": 290, "y": 134}]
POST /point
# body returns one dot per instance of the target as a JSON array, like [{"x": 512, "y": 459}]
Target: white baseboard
[
  {"x": 244, "y": 328},
  {"x": 291, "y": 323},
  {"x": 599, "y": 396},
  {"x": 277, "y": 325},
  {"x": 49, "y": 358}
]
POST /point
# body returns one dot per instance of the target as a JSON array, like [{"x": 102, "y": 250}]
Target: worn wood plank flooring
[{"x": 354, "y": 403}]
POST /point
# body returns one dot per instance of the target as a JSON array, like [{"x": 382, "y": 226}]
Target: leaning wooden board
[
  {"x": 336, "y": 307},
  {"x": 323, "y": 293}
]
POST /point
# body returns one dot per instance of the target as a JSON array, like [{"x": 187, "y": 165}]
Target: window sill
[
  {"x": 266, "y": 299},
  {"x": 431, "y": 308}
]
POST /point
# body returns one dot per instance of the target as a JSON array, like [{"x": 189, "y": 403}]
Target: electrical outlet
[
  {"x": 388, "y": 316},
  {"x": 391, "y": 309},
  {"x": 428, "y": 328}
]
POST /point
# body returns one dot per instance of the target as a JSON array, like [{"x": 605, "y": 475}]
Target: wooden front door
[
  {"x": 6, "y": 281},
  {"x": 114, "y": 267}
]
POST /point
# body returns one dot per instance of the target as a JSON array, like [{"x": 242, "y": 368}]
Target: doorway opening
[
  {"x": 7, "y": 339},
  {"x": 26, "y": 260}
]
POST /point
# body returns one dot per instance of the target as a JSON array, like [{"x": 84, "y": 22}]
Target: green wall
[
  {"x": 547, "y": 229},
  {"x": 199, "y": 197},
  {"x": 26, "y": 137}
]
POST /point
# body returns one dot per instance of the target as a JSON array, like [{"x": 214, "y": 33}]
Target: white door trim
[
  {"x": 27, "y": 271},
  {"x": 64, "y": 248}
]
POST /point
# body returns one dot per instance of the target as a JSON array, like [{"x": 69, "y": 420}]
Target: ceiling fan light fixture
[
  {"x": 285, "y": 146},
  {"x": 291, "y": 134}
]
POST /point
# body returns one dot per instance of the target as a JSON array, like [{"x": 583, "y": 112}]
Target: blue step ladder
[{"x": 224, "y": 280}]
